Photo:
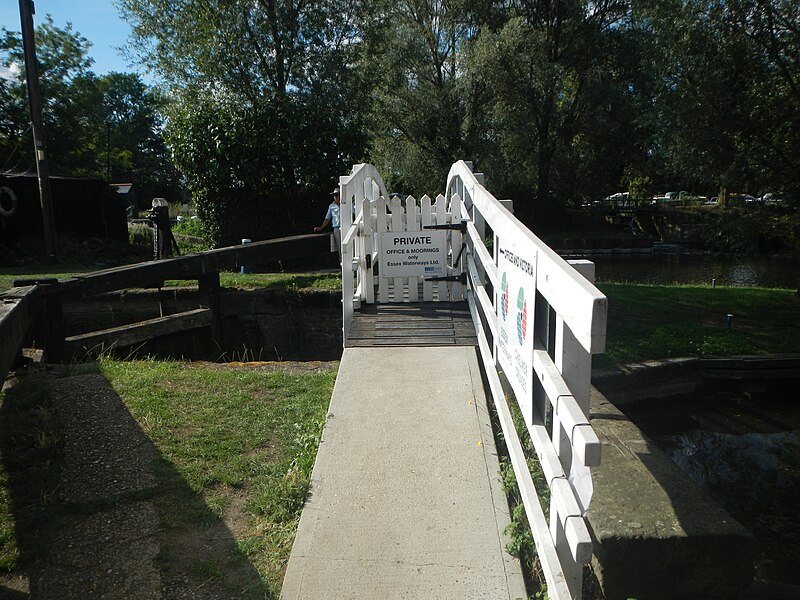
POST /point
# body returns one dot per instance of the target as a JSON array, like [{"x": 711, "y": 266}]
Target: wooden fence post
[{"x": 209, "y": 287}]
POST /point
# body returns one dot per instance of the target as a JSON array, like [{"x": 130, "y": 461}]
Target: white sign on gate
[
  {"x": 413, "y": 253},
  {"x": 517, "y": 276}
]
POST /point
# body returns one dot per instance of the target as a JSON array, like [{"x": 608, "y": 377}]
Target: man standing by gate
[{"x": 332, "y": 218}]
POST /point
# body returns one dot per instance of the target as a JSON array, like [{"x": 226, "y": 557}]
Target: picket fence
[{"x": 557, "y": 320}]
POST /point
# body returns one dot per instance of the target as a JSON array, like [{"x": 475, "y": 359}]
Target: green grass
[
  {"x": 648, "y": 322},
  {"x": 60, "y": 271},
  {"x": 31, "y": 446},
  {"x": 232, "y": 434},
  {"x": 291, "y": 281},
  {"x": 235, "y": 451}
]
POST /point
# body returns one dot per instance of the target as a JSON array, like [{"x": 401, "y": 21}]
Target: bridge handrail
[
  {"x": 563, "y": 378},
  {"x": 574, "y": 298},
  {"x": 24, "y": 306},
  {"x": 363, "y": 185},
  {"x": 19, "y": 309}
]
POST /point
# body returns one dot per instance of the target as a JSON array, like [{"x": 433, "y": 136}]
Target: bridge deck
[
  {"x": 418, "y": 324},
  {"x": 405, "y": 496}
]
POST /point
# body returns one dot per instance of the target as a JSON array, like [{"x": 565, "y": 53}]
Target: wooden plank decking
[{"x": 418, "y": 324}]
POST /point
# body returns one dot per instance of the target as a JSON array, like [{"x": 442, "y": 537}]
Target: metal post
[
  {"x": 34, "y": 102},
  {"x": 244, "y": 269}
]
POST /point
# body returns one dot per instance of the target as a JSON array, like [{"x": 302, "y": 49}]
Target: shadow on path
[{"x": 98, "y": 512}]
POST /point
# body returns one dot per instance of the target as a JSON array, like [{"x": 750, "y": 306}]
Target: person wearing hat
[{"x": 332, "y": 218}]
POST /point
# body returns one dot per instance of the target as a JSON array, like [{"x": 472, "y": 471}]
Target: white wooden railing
[
  {"x": 369, "y": 218},
  {"x": 560, "y": 321},
  {"x": 538, "y": 318}
]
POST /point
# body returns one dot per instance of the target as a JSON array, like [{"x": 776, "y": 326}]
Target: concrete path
[{"x": 405, "y": 499}]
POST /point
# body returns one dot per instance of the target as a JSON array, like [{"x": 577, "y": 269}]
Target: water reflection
[
  {"x": 660, "y": 268},
  {"x": 737, "y": 467},
  {"x": 755, "y": 477},
  {"x": 744, "y": 451}
]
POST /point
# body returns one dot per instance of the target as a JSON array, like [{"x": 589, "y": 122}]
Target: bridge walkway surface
[{"x": 405, "y": 497}]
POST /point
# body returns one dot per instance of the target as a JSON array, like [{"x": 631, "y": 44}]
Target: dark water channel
[
  {"x": 667, "y": 267},
  {"x": 744, "y": 450}
]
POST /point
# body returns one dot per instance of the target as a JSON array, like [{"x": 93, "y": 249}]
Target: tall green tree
[
  {"x": 418, "y": 114},
  {"x": 129, "y": 133},
  {"x": 64, "y": 79},
  {"x": 544, "y": 71},
  {"x": 265, "y": 104},
  {"x": 107, "y": 126},
  {"x": 702, "y": 97},
  {"x": 771, "y": 30},
  {"x": 725, "y": 94}
]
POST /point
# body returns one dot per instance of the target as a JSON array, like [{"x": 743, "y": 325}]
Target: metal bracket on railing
[
  {"x": 462, "y": 226},
  {"x": 462, "y": 278}
]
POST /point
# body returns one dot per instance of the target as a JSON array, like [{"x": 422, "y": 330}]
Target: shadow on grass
[{"x": 95, "y": 510}]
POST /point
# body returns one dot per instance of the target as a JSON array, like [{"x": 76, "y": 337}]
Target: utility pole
[{"x": 26, "y": 11}]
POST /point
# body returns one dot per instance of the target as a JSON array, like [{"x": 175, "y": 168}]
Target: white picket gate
[
  {"x": 369, "y": 216},
  {"x": 538, "y": 320}
]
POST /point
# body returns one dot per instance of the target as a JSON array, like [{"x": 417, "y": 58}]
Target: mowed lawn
[
  {"x": 649, "y": 321},
  {"x": 234, "y": 447}
]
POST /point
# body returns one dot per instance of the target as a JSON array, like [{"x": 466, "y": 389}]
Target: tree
[
  {"x": 106, "y": 126},
  {"x": 543, "y": 70},
  {"x": 63, "y": 70},
  {"x": 128, "y": 130},
  {"x": 264, "y": 108},
  {"x": 771, "y": 29},
  {"x": 417, "y": 116},
  {"x": 726, "y": 92}
]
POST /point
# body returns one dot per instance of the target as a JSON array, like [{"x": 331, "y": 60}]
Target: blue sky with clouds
[{"x": 96, "y": 20}]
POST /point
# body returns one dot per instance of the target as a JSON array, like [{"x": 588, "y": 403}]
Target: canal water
[
  {"x": 744, "y": 451},
  {"x": 668, "y": 267}
]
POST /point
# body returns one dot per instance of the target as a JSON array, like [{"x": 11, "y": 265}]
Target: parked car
[{"x": 771, "y": 198}]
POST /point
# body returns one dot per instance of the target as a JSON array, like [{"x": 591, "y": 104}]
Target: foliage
[
  {"x": 544, "y": 75},
  {"x": 256, "y": 442},
  {"x": 241, "y": 457},
  {"x": 265, "y": 105},
  {"x": 193, "y": 227},
  {"x": 558, "y": 102},
  {"x": 723, "y": 94},
  {"x": 417, "y": 109},
  {"x": 101, "y": 126},
  {"x": 32, "y": 446}
]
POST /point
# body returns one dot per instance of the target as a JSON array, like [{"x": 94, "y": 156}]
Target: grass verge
[
  {"x": 235, "y": 447},
  {"x": 245, "y": 441},
  {"x": 248, "y": 281},
  {"x": 648, "y": 322}
]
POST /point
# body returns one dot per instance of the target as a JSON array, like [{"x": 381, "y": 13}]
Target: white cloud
[{"x": 10, "y": 72}]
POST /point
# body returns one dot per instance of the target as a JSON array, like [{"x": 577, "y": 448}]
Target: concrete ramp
[{"x": 405, "y": 499}]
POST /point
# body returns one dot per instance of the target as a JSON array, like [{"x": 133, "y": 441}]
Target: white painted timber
[
  {"x": 566, "y": 447},
  {"x": 579, "y": 302},
  {"x": 557, "y": 587},
  {"x": 580, "y": 321}
]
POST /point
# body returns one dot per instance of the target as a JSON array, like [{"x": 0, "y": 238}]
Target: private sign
[{"x": 413, "y": 254}]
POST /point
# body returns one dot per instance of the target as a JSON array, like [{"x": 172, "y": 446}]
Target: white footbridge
[{"x": 450, "y": 306}]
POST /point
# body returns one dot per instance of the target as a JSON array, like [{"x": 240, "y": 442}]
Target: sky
[{"x": 98, "y": 21}]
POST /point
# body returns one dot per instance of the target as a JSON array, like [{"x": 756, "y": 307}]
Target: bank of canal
[{"x": 743, "y": 449}]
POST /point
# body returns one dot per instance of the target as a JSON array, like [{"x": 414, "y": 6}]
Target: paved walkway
[{"x": 405, "y": 499}]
